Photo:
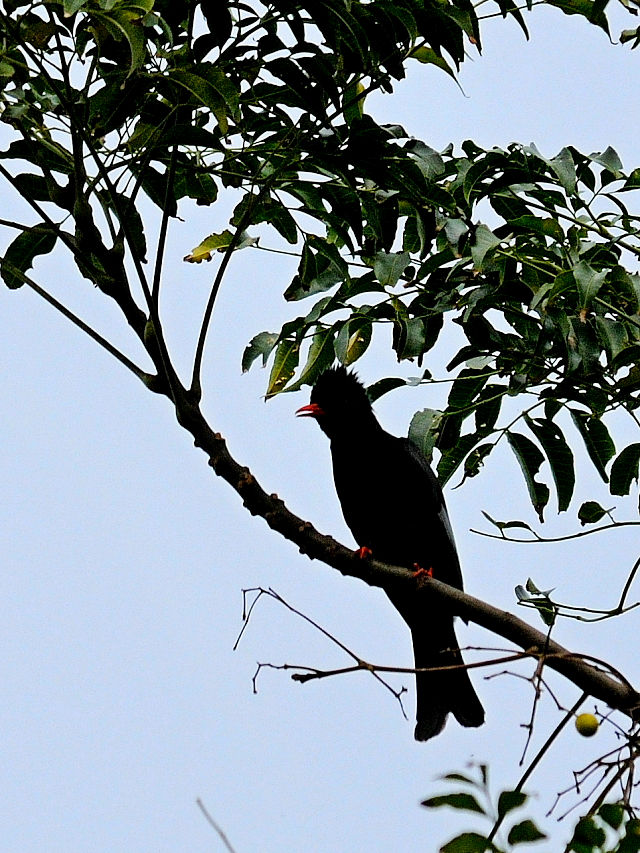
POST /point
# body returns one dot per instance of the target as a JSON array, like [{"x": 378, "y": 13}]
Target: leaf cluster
[
  {"x": 609, "y": 830},
  {"x": 547, "y": 298},
  {"x": 532, "y": 257}
]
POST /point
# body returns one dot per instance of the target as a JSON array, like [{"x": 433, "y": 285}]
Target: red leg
[
  {"x": 364, "y": 553},
  {"x": 419, "y": 572}
]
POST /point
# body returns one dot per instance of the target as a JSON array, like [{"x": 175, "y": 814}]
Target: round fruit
[{"x": 587, "y": 724}]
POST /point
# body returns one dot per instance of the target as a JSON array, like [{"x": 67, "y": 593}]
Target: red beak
[{"x": 313, "y": 410}]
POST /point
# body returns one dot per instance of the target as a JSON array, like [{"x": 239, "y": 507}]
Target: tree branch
[{"x": 591, "y": 679}]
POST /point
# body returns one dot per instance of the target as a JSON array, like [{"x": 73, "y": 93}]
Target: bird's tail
[{"x": 442, "y": 691}]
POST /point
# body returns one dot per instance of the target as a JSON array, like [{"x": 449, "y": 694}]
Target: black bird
[{"x": 394, "y": 506}]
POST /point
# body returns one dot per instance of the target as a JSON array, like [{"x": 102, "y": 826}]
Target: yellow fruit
[{"x": 586, "y": 724}]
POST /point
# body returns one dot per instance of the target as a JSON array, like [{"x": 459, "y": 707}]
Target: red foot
[
  {"x": 419, "y": 572},
  {"x": 364, "y": 553}
]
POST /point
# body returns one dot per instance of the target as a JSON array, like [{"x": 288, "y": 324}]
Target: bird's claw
[
  {"x": 364, "y": 553},
  {"x": 420, "y": 574}
]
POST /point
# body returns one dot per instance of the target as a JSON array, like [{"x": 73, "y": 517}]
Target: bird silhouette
[{"x": 393, "y": 504}]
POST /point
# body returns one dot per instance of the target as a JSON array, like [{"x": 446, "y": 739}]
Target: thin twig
[
  {"x": 212, "y": 823},
  {"x": 539, "y": 538},
  {"x": 62, "y": 309},
  {"x": 570, "y": 714}
]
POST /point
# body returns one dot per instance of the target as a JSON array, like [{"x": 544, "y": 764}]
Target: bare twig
[
  {"x": 570, "y": 714},
  {"x": 215, "y": 826},
  {"x": 538, "y": 539}
]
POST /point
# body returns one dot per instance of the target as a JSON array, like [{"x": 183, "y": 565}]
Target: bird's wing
[{"x": 436, "y": 499}]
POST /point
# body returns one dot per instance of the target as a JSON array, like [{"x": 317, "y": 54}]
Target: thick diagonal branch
[{"x": 615, "y": 691}]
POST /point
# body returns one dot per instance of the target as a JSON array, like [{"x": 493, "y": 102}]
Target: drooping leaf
[
  {"x": 409, "y": 336},
  {"x": 321, "y": 355},
  {"x": 589, "y": 282},
  {"x": 530, "y": 459},
  {"x": 423, "y": 430},
  {"x": 261, "y": 345},
  {"x": 475, "y": 460},
  {"x": 284, "y": 366},
  {"x": 625, "y": 469},
  {"x": 427, "y": 55},
  {"x": 353, "y": 339},
  {"x": 21, "y": 253},
  {"x": 558, "y": 455},
  {"x": 452, "y": 458},
  {"x": 597, "y": 440},
  {"x": 485, "y": 241}
]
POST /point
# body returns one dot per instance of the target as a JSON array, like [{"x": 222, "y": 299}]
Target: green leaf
[
  {"x": 284, "y": 365},
  {"x": 353, "y": 339},
  {"x": 261, "y": 344},
  {"x": 126, "y": 25},
  {"x": 559, "y": 456},
  {"x": 525, "y": 833},
  {"x": 488, "y": 408},
  {"x": 389, "y": 266},
  {"x": 592, "y": 11},
  {"x": 597, "y": 440},
  {"x": 564, "y": 167},
  {"x": 423, "y": 430},
  {"x": 321, "y": 355},
  {"x": 428, "y": 56},
  {"x": 587, "y": 832},
  {"x": 625, "y": 469},
  {"x": 213, "y": 243},
  {"x": 544, "y": 226},
  {"x": 330, "y": 268},
  {"x": 475, "y": 460},
  {"x": 612, "y": 813},
  {"x": 451, "y": 460},
  {"x": 468, "y": 842},
  {"x": 465, "y": 388},
  {"x": 353, "y": 101},
  {"x": 409, "y": 337},
  {"x": 461, "y": 801},
  {"x": 429, "y": 161},
  {"x": 70, "y": 7},
  {"x": 210, "y": 91},
  {"x": 509, "y": 800},
  {"x": 383, "y": 386},
  {"x": 589, "y": 282},
  {"x": 129, "y": 217},
  {"x": 590, "y": 512},
  {"x": 613, "y": 336},
  {"x": 610, "y": 160},
  {"x": 530, "y": 460},
  {"x": 505, "y": 525},
  {"x": 484, "y": 242},
  {"x": 19, "y": 257},
  {"x": 460, "y": 777}
]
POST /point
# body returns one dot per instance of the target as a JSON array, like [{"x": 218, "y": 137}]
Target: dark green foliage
[
  {"x": 608, "y": 830},
  {"x": 110, "y": 105}
]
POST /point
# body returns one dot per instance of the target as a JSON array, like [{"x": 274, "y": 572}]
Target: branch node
[{"x": 245, "y": 479}]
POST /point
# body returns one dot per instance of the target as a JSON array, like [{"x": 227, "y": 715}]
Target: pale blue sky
[{"x": 124, "y": 557}]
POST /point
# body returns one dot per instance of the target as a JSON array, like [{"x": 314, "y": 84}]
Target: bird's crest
[{"x": 337, "y": 387}]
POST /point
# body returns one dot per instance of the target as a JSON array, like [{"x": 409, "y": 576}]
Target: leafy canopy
[{"x": 533, "y": 257}]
